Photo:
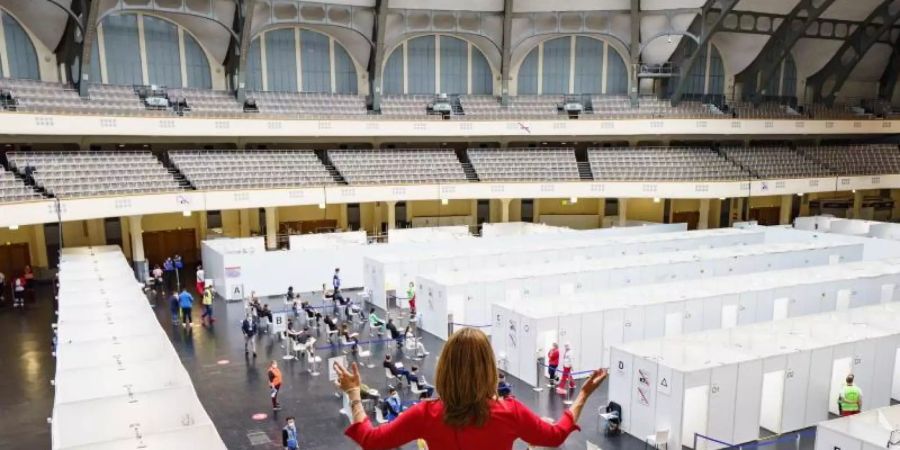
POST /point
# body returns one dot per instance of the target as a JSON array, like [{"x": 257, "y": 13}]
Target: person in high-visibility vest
[
  {"x": 411, "y": 297},
  {"x": 850, "y": 400}
]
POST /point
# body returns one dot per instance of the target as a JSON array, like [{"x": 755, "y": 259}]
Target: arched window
[
  {"x": 549, "y": 68},
  {"x": 299, "y": 60},
  {"x": 789, "y": 77},
  {"x": 437, "y": 63},
  {"x": 173, "y": 57},
  {"x": 21, "y": 57},
  {"x": 701, "y": 81}
]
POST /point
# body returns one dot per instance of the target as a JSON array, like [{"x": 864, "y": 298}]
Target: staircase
[
  {"x": 463, "y": 156},
  {"x": 584, "y": 166},
  {"x": 29, "y": 181},
  {"x": 326, "y": 161},
  {"x": 179, "y": 177}
]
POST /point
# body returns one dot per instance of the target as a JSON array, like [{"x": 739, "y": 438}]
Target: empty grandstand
[
  {"x": 524, "y": 164},
  {"x": 250, "y": 169},
  {"x": 398, "y": 166},
  {"x": 775, "y": 162},
  {"x": 13, "y": 189},
  {"x": 662, "y": 164}
]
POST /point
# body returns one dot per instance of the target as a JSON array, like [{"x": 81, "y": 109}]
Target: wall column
[
  {"x": 703, "y": 223},
  {"x": 784, "y": 218},
  {"x": 376, "y": 218},
  {"x": 271, "y": 228},
  {"x": 202, "y": 226},
  {"x": 601, "y": 210},
  {"x": 623, "y": 211},
  {"x": 857, "y": 204},
  {"x": 38, "y": 246},
  {"x": 504, "y": 209},
  {"x": 392, "y": 215},
  {"x": 243, "y": 223},
  {"x": 137, "y": 247}
]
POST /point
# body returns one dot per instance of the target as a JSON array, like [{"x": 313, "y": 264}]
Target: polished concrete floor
[{"x": 233, "y": 388}]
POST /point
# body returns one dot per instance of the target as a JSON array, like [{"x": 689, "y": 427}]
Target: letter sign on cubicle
[
  {"x": 279, "y": 322},
  {"x": 665, "y": 381}
]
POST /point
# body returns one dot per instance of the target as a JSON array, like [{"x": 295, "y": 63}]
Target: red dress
[{"x": 510, "y": 420}]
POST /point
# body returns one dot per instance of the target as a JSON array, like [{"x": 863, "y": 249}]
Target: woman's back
[{"x": 509, "y": 420}]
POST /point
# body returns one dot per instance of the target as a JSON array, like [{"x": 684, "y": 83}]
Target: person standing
[
  {"x": 567, "y": 380},
  {"x": 248, "y": 327},
  {"x": 289, "y": 439},
  {"x": 850, "y": 400},
  {"x": 207, "y": 306},
  {"x": 274, "y": 374},
  {"x": 2, "y": 287},
  {"x": 169, "y": 274},
  {"x": 411, "y": 296},
  {"x": 186, "y": 301},
  {"x": 553, "y": 362},
  {"x": 336, "y": 279},
  {"x": 19, "y": 292},
  {"x": 174, "y": 307},
  {"x": 201, "y": 280}
]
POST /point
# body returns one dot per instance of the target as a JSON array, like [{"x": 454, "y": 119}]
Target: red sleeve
[
  {"x": 405, "y": 428},
  {"x": 535, "y": 431}
]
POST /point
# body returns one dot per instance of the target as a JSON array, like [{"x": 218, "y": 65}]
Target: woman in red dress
[{"x": 468, "y": 415}]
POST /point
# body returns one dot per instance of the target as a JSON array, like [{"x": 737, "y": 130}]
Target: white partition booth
[
  {"x": 493, "y": 230},
  {"x": 394, "y": 270},
  {"x": 851, "y": 227},
  {"x": 427, "y": 234},
  {"x": 469, "y": 294},
  {"x": 869, "y": 430},
  {"x": 780, "y": 376},
  {"x": 118, "y": 381},
  {"x": 594, "y": 322}
]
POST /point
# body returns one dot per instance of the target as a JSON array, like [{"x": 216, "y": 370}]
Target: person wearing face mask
[
  {"x": 289, "y": 436},
  {"x": 567, "y": 381},
  {"x": 393, "y": 404}
]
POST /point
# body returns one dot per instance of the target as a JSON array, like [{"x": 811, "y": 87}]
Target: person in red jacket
[
  {"x": 274, "y": 374},
  {"x": 468, "y": 415},
  {"x": 553, "y": 362}
]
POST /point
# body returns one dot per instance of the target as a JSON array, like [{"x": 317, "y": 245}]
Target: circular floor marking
[
  {"x": 222, "y": 362},
  {"x": 259, "y": 416}
]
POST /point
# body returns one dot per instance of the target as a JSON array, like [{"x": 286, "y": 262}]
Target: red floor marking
[{"x": 259, "y": 416}]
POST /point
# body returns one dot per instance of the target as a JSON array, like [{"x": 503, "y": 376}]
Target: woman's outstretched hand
[
  {"x": 347, "y": 379},
  {"x": 595, "y": 380}
]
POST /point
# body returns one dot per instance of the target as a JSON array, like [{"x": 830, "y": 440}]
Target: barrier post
[
  {"x": 538, "y": 387},
  {"x": 449, "y": 325},
  {"x": 568, "y": 401},
  {"x": 695, "y": 442},
  {"x": 797, "y": 442}
]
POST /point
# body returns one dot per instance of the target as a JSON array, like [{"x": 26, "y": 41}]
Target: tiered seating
[
  {"x": 410, "y": 107},
  {"x": 120, "y": 100},
  {"x": 243, "y": 169},
  {"x": 481, "y": 105},
  {"x": 308, "y": 104},
  {"x": 206, "y": 103},
  {"x": 524, "y": 164},
  {"x": 13, "y": 189},
  {"x": 389, "y": 166},
  {"x": 56, "y": 98},
  {"x": 823, "y": 112},
  {"x": 84, "y": 174},
  {"x": 662, "y": 164},
  {"x": 765, "y": 110},
  {"x": 864, "y": 159},
  {"x": 533, "y": 105},
  {"x": 776, "y": 162}
]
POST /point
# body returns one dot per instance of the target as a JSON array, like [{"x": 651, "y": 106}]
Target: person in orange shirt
[{"x": 274, "y": 374}]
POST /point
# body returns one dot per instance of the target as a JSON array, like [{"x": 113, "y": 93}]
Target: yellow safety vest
[{"x": 850, "y": 398}]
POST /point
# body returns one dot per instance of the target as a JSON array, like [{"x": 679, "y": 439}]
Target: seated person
[
  {"x": 311, "y": 312},
  {"x": 291, "y": 332},
  {"x": 367, "y": 393},
  {"x": 414, "y": 343},
  {"x": 395, "y": 333},
  {"x": 266, "y": 313},
  {"x": 392, "y": 367},
  {"x": 413, "y": 377},
  {"x": 376, "y": 322},
  {"x": 330, "y": 323},
  {"x": 304, "y": 336},
  {"x": 504, "y": 389},
  {"x": 289, "y": 297},
  {"x": 349, "y": 337},
  {"x": 392, "y": 405}
]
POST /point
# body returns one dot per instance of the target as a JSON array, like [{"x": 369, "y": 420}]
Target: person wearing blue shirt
[
  {"x": 186, "y": 301},
  {"x": 169, "y": 273},
  {"x": 504, "y": 389},
  {"x": 336, "y": 279},
  {"x": 393, "y": 405},
  {"x": 413, "y": 377}
]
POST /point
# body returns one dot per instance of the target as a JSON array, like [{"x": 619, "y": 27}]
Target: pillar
[
  {"x": 857, "y": 204},
  {"x": 136, "y": 233},
  {"x": 96, "y": 231},
  {"x": 342, "y": 217},
  {"x": 703, "y": 223},
  {"x": 784, "y": 218},
  {"x": 271, "y": 228},
  {"x": 601, "y": 210},
  {"x": 623, "y": 211},
  {"x": 244, "y": 223},
  {"x": 737, "y": 214},
  {"x": 504, "y": 209},
  {"x": 376, "y": 218},
  {"x": 392, "y": 215},
  {"x": 202, "y": 226},
  {"x": 38, "y": 246}
]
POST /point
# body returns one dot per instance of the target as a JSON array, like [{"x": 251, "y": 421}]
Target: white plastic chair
[{"x": 658, "y": 439}]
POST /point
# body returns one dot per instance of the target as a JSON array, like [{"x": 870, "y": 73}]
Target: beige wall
[
  {"x": 565, "y": 206},
  {"x": 434, "y": 208},
  {"x": 644, "y": 209},
  {"x": 31, "y": 235},
  {"x": 766, "y": 201}
]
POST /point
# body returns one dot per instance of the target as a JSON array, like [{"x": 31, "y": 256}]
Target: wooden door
[
  {"x": 766, "y": 216},
  {"x": 159, "y": 245},
  {"x": 13, "y": 259},
  {"x": 691, "y": 218}
]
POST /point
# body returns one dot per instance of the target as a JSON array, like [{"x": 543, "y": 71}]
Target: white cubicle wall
[
  {"x": 852, "y": 227},
  {"x": 118, "y": 381},
  {"x": 869, "y": 430},
  {"x": 780, "y": 376},
  {"x": 428, "y": 234},
  {"x": 469, "y": 294},
  {"x": 594, "y": 322},
  {"x": 492, "y": 230}
]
